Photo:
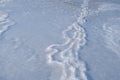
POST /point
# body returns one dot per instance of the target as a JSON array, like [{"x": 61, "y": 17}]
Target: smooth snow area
[{"x": 59, "y": 40}]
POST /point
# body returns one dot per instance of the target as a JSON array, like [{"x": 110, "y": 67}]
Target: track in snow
[{"x": 67, "y": 54}]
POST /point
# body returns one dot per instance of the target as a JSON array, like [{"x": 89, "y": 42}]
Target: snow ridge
[
  {"x": 67, "y": 54},
  {"x": 5, "y": 23},
  {"x": 112, "y": 38}
]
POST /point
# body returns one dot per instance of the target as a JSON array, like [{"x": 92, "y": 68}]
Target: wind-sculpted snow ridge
[
  {"x": 5, "y": 23},
  {"x": 66, "y": 54},
  {"x": 112, "y": 36}
]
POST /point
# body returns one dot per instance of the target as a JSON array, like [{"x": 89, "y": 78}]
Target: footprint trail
[{"x": 66, "y": 54}]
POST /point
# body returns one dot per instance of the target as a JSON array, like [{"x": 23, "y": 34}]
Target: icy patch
[
  {"x": 112, "y": 35},
  {"x": 66, "y": 55}
]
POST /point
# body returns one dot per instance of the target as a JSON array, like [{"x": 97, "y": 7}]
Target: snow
[{"x": 59, "y": 40}]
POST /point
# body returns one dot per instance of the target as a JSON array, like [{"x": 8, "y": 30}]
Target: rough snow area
[{"x": 59, "y": 40}]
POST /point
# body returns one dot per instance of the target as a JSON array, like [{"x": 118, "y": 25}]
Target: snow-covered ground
[{"x": 59, "y": 40}]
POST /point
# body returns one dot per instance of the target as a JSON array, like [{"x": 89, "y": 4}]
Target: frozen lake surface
[{"x": 59, "y": 40}]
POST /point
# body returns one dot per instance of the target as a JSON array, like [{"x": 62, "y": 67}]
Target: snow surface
[{"x": 59, "y": 40}]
